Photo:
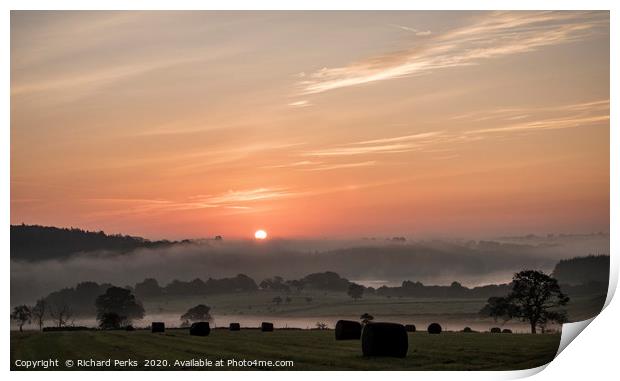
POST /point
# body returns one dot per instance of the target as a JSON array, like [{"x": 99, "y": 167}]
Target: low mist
[{"x": 371, "y": 262}]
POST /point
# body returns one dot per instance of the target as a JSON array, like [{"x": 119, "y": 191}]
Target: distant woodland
[
  {"x": 81, "y": 297},
  {"x": 36, "y": 243},
  {"x": 582, "y": 270},
  {"x": 30, "y": 243}
]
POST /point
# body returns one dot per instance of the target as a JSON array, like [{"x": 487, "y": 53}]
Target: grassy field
[
  {"x": 309, "y": 350},
  {"x": 333, "y": 304},
  {"x": 329, "y": 307}
]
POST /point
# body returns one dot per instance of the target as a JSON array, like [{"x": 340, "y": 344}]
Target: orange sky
[{"x": 317, "y": 124}]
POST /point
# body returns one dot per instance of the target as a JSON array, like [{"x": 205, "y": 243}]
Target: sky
[{"x": 311, "y": 124}]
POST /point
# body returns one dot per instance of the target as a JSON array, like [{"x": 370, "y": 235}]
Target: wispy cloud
[
  {"x": 348, "y": 151},
  {"x": 240, "y": 200},
  {"x": 542, "y": 118},
  {"x": 397, "y": 144},
  {"x": 243, "y": 201},
  {"x": 494, "y": 35},
  {"x": 417, "y": 32},
  {"x": 513, "y": 113},
  {"x": 342, "y": 166},
  {"x": 234, "y": 196},
  {"x": 420, "y": 136},
  {"x": 300, "y": 104},
  {"x": 548, "y": 124},
  {"x": 302, "y": 163}
]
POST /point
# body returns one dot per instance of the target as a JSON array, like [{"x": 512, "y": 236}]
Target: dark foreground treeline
[
  {"x": 36, "y": 243},
  {"x": 81, "y": 297}
]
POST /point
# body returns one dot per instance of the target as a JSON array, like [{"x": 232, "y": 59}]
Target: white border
[{"x": 593, "y": 354}]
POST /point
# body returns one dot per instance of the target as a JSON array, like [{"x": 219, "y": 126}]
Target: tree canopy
[
  {"x": 535, "y": 298},
  {"x": 200, "y": 312},
  {"x": 119, "y": 301}
]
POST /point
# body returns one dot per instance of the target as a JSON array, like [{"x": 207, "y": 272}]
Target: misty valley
[{"x": 90, "y": 263}]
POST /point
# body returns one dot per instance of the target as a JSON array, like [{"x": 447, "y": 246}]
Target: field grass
[
  {"x": 334, "y": 304},
  {"x": 309, "y": 350}
]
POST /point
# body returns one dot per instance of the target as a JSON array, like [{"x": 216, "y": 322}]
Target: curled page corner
[{"x": 570, "y": 331}]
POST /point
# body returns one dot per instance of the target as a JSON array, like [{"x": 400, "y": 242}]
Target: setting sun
[{"x": 260, "y": 234}]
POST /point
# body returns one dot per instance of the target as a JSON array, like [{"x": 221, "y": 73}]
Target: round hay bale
[
  {"x": 506, "y": 330},
  {"x": 200, "y": 328},
  {"x": 157, "y": 327},
  {"x": 385, "y": 339},
  {"x": 467, "y": 330},
  {"x": 434, "y": 328},
  {"x": 129, "y": 328},
  {"x": 348, "y": 330},
  {"x": 410, "y": 327},
  {"x": 266, "y": 327},
  {"x": 234, "y": 327},
  {"x": 496, "y": 330}
]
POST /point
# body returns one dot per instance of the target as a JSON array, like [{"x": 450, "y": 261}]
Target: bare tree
[
  {"x": 22, "y": 314},
  {"x": 39, "y": 312},
  {"x": 61, "y": 313}
]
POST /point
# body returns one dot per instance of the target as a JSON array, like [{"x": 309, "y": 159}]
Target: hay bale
[
  {"x": 506, "y": 330},
  {"x": 157, "y": 327},
  {"x": 410, "y": 327},
  {"x": 467, "y": 330},
  {"x": 434, "y": 328},
  {"x": 385, "y": 339},
  {"x": 266, "y": 327},
  {"x": 234, "y": 327},
  {"x": 200, "y": 328},
  {"x": 496, "y": 330},
  {"x": 348, "y": 330}
]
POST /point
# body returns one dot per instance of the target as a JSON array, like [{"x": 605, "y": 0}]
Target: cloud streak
[
  {"x": 494, "y": 35},
  {"x": 342, "y": 166},
  {"x": 397, "y": 144},
  {"x": 549, "y": 118},
  {"x": 417, "y": 32}
]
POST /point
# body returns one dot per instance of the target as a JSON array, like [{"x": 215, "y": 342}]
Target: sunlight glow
[{"x": 260, "y": 234}]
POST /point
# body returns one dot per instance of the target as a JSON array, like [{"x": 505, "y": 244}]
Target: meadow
[
  {"x": 328, "y": 307},
  {"x": 308, "y": 349}
]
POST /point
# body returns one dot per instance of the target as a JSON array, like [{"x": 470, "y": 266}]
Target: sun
[{"x": 260, "y": 234}]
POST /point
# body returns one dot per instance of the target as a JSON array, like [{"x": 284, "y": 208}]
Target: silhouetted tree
[
  {"x": 296, "y": 285},
  {"x": 366, "y": 318},
  {"x": 61, "y": 312},
  {"x": 355, "y": 291},
  {"x": 22, "y": 314},
  {"x": 533, "y": 296},
  {"x": 275, "y": 284},
  {"x": 121, "y": 302},
  {"x": 111, "y": 320},
  {"x": 321, "y": 325},
  {"x": 200, "y": 312},
  {"x": 148, "y": 288},
  {"x": 329, "y": 281},
  {"x": 39, "y": 312}
]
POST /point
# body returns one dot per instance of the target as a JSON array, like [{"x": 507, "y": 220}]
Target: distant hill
[
  {"x": 81, "y": 298},
  {"x": 583, "y": 270},
  {"x": 36, "y": 243}
]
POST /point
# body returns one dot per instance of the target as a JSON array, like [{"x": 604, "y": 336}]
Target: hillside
[
  {"x": 35, "y": 243},
  {"x": 582, "y": 270}
]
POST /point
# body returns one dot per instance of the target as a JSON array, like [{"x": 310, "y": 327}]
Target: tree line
[
  {"x": 534, "y": 297},
  {"x": 35, "y": 242}
]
